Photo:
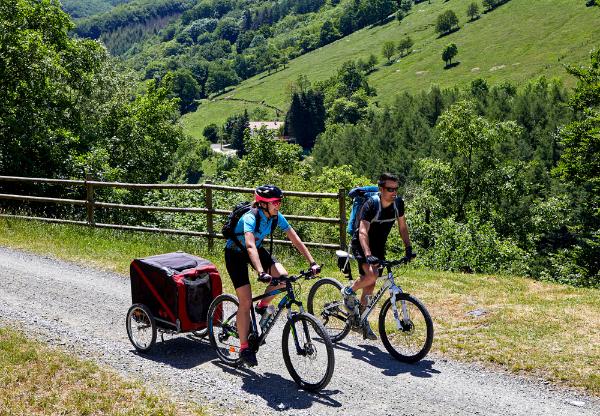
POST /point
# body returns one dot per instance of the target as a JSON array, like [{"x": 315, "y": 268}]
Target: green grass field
[
  {"x": 544, "y": 330},
  {"x": 516, "y": 42},
  {"x": 38, "y": 380}
]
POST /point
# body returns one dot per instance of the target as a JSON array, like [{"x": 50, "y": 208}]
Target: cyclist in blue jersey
[{"x": 248, "y": 249}]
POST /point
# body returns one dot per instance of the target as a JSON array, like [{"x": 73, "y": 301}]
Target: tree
[
  {"x": 219, "y": 78},
  {"x": 67, "y": 109},
  {"x": 228, "y": 29},
  {"x": 400, "y": 15},
  {"x": 580, "y": 163},
  {"x": 406, "y": 5},
  {"x": 450, "y": 51},
  {"x": 266, "y": 156},
  {"x": 489, "y": 4},
  {"x": 368, "y": 66},
  {"x": 373, "y": 11},
  {"x": 211, "y": 132},
  {"x": 388, "y": 50},
  {"x": 349, "y": 79},
  {"x": 141, "y": 142},
  {"x": 405, "y": 45},
  {"x": 305, "y": 119},
  {"x": 346, "y": 24},
  {"x": 446, "y": 22},
  {"x": 328, "y": 33},
  {"x": 184, "y": 86},
  {"x": 200, "y": 70},
  {"x": 371, "y": 63},
  {"x": 234, "y": 131},
  {"x": 473, "y": 11},
  {"x": 470, "y": 140}
]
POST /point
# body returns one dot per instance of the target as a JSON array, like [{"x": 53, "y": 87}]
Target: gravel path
[{"x": 83, "y": 310}]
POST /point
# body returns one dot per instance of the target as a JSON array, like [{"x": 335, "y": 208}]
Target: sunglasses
[
  {"x": 391, "y": 189},
  {"x": 276, "y": 203}
]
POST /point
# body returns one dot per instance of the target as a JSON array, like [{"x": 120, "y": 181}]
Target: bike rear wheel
[
  {"x": 407, "y": 341},
  {"x": 222, "y": 328},
  {"x": 326, "y": 303},
  {"x": 311, "y": 361}
]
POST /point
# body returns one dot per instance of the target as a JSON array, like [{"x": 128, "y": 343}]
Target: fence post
[
  {"x": 209, "y": 216},
  {"x": 342, "y": 205},
  {"x": 89, "y": 199}
]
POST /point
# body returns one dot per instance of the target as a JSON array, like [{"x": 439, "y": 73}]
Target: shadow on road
[
  {"x": 182, "y": 352},
  {"x": 379, "y": 358},
  {"x": 280, "y": 393}
]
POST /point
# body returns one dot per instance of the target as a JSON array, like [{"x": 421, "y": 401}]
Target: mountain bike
[
  {"x": 405, "y": 326},
  {"x": 306, "y": 347}
]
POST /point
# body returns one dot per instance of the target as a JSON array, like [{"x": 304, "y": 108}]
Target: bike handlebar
[
  {"x": 283, "y": 278},
  {"x": 394, "y": 263}
]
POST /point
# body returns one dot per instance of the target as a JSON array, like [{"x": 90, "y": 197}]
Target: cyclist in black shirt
[{"x": 376, "y": 220}]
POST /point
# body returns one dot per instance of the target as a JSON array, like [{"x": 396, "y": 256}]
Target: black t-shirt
[{"x": 381, "y": 227}]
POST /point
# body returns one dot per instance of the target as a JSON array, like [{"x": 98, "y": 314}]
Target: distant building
[{"x": 269, "y": 125}]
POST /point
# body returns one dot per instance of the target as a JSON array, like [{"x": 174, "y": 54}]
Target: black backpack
[{"x": 238, "y": 211}]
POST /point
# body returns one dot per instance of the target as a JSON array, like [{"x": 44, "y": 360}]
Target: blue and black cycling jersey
[{"x": 247, "y": 223}]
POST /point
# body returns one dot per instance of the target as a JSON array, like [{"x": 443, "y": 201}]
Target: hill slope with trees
[{"x": 514, "y": 42}]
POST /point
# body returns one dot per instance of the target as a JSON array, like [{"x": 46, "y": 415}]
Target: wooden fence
[{"x": 91, "y": 205}]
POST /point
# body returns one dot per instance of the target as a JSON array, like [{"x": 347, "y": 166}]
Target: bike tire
[
  {"x": 314, "y": 342},
  {"x": 326, "y": 303},
  {"x": 413, "y": 341},
  {"x": 141, "y": 327},
  {"x": 222, "y": 329}
]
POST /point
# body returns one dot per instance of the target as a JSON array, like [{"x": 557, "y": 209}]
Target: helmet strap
[{"x": 264, "y": 206}]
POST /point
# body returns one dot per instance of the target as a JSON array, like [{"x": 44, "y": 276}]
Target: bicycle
[
  {"x": 405, "y": 326},
  {"x": 306, "y": 347}
]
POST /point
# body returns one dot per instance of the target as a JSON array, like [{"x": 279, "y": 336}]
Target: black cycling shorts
[
  {"x": 361, "y": 259},
  {"x": 237, "y": 264}
]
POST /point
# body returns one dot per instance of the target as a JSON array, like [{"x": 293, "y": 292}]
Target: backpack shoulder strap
[
  {"x": 258, "y": 219},
  {"x": 257, "y": 225},
  {"x": 256, "y": 228},
  {"x": 377, "y": 218},
  {"x": 378, "y": 202},
  {"x": 274, "y": 224},
  {"x": 362, "y": 208}
]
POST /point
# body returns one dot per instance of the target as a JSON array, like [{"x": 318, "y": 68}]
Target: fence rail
[{"x": 91, "y": 205}]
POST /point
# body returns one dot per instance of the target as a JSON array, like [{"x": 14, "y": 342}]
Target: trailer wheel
[{"x": 141, "y": 327}]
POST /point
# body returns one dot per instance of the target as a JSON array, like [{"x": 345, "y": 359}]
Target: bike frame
[
  {"x": 395, "y": 290},
  {"x": 286, "y": 302}
]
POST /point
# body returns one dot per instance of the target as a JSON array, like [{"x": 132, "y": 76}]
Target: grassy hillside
[{"x": 515, "y": 42}]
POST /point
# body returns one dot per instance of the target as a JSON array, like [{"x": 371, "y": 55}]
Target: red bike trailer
[{"x": 171, "y": 294}]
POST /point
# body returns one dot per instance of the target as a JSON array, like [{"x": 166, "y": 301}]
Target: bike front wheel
[
  {"x": 326, "y": 303},
  {"x": 222, "y": 328},
  {"x": 408, "y": 335},
  {"x": 307, "y": 352}
]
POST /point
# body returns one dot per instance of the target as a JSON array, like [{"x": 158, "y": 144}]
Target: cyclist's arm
[
  {"x": 253, "y": 252},
  {"x": 403, "y": 228},
  {"x": 363, "y": 236},
  {"x": 291, "y": 234}
]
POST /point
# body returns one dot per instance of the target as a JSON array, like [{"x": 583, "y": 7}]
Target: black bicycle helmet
[{"x": 268, "y": 193}]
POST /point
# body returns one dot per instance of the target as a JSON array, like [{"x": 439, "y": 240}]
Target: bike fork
[
  {"x": 405, "y": 318},
  {"x": 299, "y": 349}
]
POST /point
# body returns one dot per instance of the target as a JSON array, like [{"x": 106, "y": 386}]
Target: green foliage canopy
[
  {"x": 445, "y": 22},
  {"x": 67, "y": 109},
  {"x": 449, "y": 52}
]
